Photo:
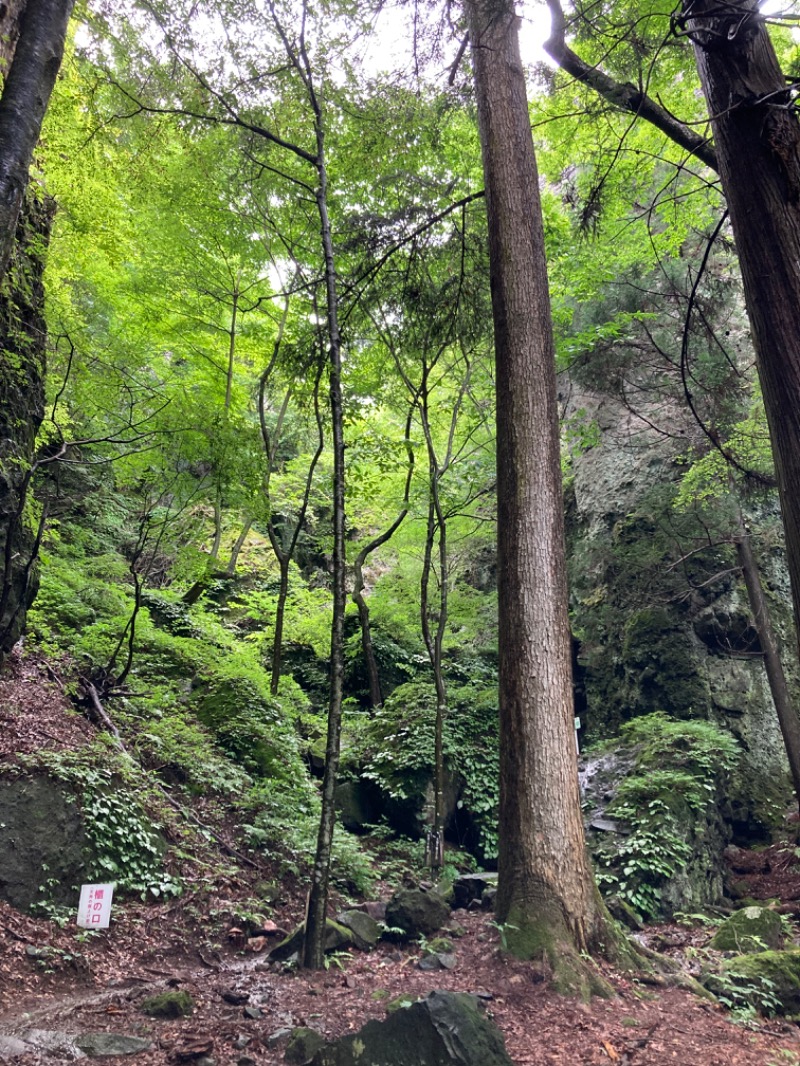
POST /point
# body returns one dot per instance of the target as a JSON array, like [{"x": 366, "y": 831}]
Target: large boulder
[
  {"x": 445, "y": 1029},
  {"x": 43, "y": 845},
  {"x": 355, "y": 806},
  {"x": 749, "y": 930},
  {"x": 416, "y": 913}
]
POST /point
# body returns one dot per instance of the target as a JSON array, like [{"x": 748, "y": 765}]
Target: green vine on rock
[{"x": 678, "y": 770}]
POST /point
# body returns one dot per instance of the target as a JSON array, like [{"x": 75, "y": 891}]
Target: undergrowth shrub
[
  {"x": 398, "y": 749},
  {"x": 249, "y": 723},
  {"x": 125, "y": 843},
  {"x": 285, "y": 822},
  {"x": 676, "y": 779}
]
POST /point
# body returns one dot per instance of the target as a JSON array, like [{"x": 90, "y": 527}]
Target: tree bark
[
  {"x": 546, "y": 899},
  {"x": 314, "y": 943},
  {"x": 26, "y": 94},
  {"x": 22, "y": 367},
  {"x": 757, "y": 139},
  {"x": 787, "y": 716}
]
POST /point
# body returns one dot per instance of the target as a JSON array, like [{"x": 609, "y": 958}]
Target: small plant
[
  {"x": 745, "y": 994},
  {"x": 785, "y": 1057},
  {"x": 338, "y": 959},
  {"x": 503, "y": 929}
]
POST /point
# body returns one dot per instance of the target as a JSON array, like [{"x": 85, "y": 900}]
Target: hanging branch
[{"x": 623, "y": 95}]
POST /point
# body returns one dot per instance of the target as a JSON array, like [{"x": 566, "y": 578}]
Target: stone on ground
[
  {"x": 445, "y": 1029},
  {"x": 750, "y": 929},
  {"x": 337, "y": 936},
  {"x": 470, "y": 888},
  {"x": 416, "y": 912},
  {"x": 98, "y": 1045},
  {"x": 366, "y": 931}
]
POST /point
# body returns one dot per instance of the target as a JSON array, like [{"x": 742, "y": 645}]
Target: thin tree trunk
[
  {"x": 367, "y": 647},
  {"x": 546, "y": 899},
  {"x": 434, "y": 849},
  {"x": 787, "y": 716},
  {"x": 217, "y": 523},
  {"x": 285, "y": 555},
  {"x": 26, "y": 94},
  {"x": 280, "y": 611},
  {"x": 230, "y": 569},
  {"x": 757, "y": 139},
  {"x": 314, "y": 944},
  {"x": 232, "y": 348},
  {"x": 357, "y": 595}
]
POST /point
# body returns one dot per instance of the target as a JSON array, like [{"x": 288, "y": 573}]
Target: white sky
[{"x": 390, "y": 48}]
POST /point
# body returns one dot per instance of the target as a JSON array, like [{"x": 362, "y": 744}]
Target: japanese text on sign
[{"x": 94, "y": 909}]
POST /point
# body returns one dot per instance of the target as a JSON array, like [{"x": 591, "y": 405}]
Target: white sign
[{"x": 94, "y": 909}]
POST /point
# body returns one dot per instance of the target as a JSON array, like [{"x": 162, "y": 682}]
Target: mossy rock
[
  {"x": 444, "y": 1029},
  {"x": 750, "y": 930},
  {"x": 365, "y": 930},
  {"x": 303, "y": 1045},
  {"x": 439, "y": 944},
  {"x": 768, "y": 981},
  {"x": 416, "y": 912},
  {"x": 336, "y": 937},
  {"x": 401, "y": 1002},
  {"x": 168, "y": 1005},
  {"x": 45, "y": 814}
]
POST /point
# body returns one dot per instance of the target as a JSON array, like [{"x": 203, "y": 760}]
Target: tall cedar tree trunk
[
  {"x": 757, "y": 138},
  {"x": 26, "y": 94},
  {"x": 787, "y": 716},
  {"x": 546, "y": 898}
]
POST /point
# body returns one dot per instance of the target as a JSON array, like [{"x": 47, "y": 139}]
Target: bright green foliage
[
  {"x": 397, "y": 749},
  {"x": 676, "y": 778},
  {"x": 250, "y": 725}
]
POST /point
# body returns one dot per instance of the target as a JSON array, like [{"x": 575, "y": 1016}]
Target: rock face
[
  {"x": 416, "y": 912},
  {"x": 445, "y": 1029},
  {"x": 659, "y": 624},
  {"x": 43, "y": 846},
  {"x": 751, "y": 929},
  {"x": 23, "y": 345}
]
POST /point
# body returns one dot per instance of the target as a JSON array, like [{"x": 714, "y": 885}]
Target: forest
[{"x": 400, "y": 532}]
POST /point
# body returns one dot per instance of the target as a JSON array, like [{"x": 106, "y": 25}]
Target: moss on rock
[
  {"x": 768, "y": 981},
  {"x": 168, "y": 1005},
  {"x": 751, "y": 929}
]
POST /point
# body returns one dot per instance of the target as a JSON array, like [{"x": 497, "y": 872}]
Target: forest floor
[{"x": 55, "y": 977}]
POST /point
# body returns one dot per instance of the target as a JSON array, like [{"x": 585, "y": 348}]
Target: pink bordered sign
[{"x": 94, "y": 909}]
